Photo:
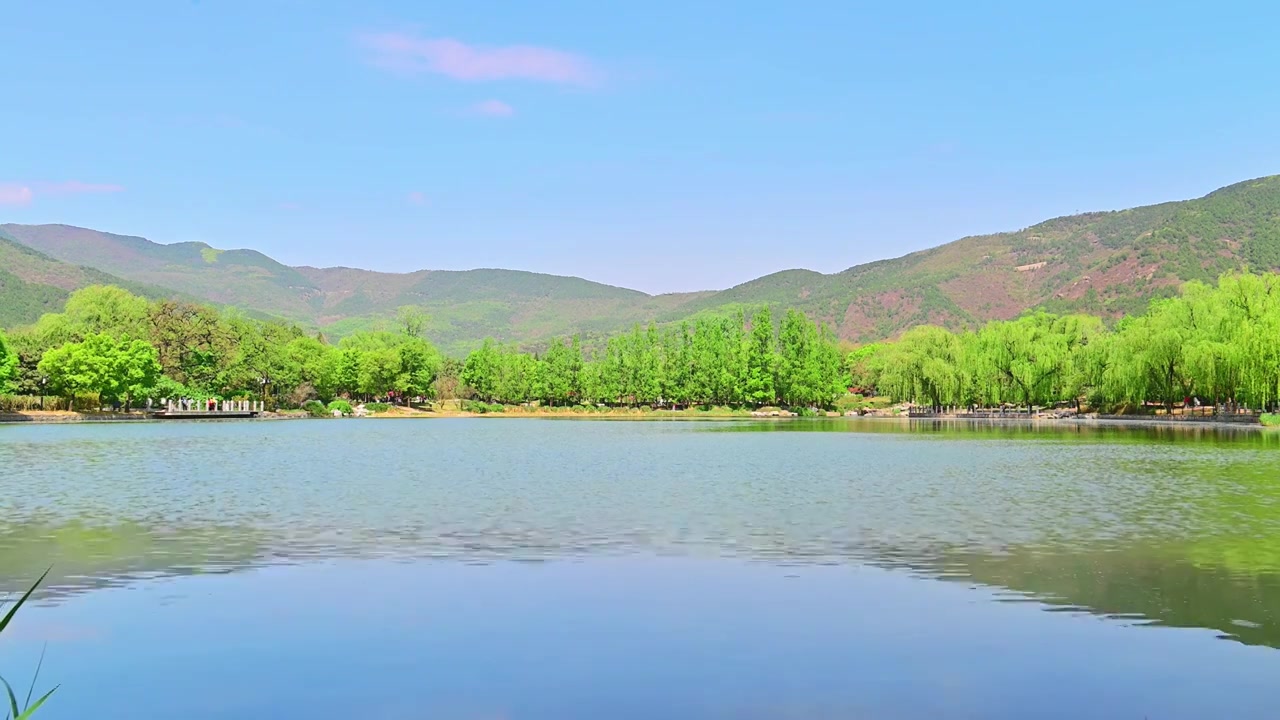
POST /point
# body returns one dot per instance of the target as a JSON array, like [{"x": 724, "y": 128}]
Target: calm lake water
[{"x": 491, "y": 568}]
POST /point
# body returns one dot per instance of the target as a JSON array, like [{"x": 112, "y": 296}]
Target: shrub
[
  {"x": 342, "y": 405},
  {"x": 480, "y": 407},
  {"x": 850, "y": 401},
  {"x": 377, "y": 407},
  {"x": 22, "y": 403},
  {"x": 1270, "y": 419},
  {"x": 315, "y": 408}
]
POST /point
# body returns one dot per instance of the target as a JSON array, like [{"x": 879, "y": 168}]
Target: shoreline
[
  {"x": 64, "y": 417},
  {"x": 1108, "y": 421}
]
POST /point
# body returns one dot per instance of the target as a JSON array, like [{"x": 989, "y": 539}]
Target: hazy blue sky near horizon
[{"x": 658, "y": 145}]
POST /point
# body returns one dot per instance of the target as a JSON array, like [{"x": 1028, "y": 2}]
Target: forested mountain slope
[
  {"x": 465, "y": 306},
  {"x": 244, "y": 278},
  {"x": 1107, "y": 263},
  {"x": 32, "y": 283}
]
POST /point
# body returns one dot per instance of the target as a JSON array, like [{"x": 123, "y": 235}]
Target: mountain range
[{"x": 1106, "y": 263}]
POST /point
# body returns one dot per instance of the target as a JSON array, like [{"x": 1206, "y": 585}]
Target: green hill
[
  {"x": 1108, "y": 263},
  {"x": 468, "y": 306},
  {"x": 465, "y": 306},
  {"x": 32, "y": 283},
  {"x": 243, "y": 278}
]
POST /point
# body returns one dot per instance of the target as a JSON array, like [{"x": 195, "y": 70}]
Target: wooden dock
[
  {"x": 204, "y": 410},
  {"x": 202, "y": 415}
]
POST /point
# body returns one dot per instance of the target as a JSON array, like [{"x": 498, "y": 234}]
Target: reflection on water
[
  {"x": 1052, "y": 430},
  {"x": 1163, "y": 525}
]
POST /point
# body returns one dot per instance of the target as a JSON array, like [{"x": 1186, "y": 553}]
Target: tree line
[
  {"x": 123, "y": 349},
  {"x": 1216, "y": 344},
  {"x": 710, "y": 361}
]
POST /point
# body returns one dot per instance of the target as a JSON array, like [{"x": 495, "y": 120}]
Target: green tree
[
  {"x": 762, "y": 360},
  {"x": 925, "y": 366},
  {"x": 516, "y": 376},
  {"x": 378, "y": 370},
  {"x": 1150, "y": 360},
  {"x": 719, "y": 361},
  {"x": 8, "y": 364},
  {"x": 1025, "y": 359},
  {"x": 480, "y": 371},
  {"x": 379, "y": 363},
  {"x": 310, "y": 359},
  {"x": 678, "y": 363},
  {"x": 107, "y": 309},
  {"x": 194, "y": 344},
  {"x": 560, "y": 369},
  {"x": 113, "y": 369},
  {"x": 448, "y": 384},
  {"x": 419, "y": 366},
  {"x": 865, "y": 365},
  {"x": 810, "y": 368},
  {"x": 1089, "y": 353},
  {"x": 342, "y": 371},
  {"x": 257, "y": 359},
  {"x": 412, "y": 320}
]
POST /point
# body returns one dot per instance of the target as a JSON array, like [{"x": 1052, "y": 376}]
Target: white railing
[{"x": 188, "y": 405}]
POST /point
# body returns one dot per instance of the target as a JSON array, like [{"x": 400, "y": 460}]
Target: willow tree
[
  {"x": 1215, "y": 358},
  {"x": 1027, "y": 358},
  {"x": 1085, "y": 377},
  {"x": 108, "y": 309},
  {"x": 1086, "y": 347},
  {"x": 925, "y": 364},
  {"x": 1254, "y": 302},
  {"x": 1259, "y": 346},
  {"x": 1149, "y": 360}
]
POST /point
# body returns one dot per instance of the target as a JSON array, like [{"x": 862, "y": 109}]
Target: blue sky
[{"x": 659, "y": 145}]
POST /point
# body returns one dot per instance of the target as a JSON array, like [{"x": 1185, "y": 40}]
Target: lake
[{"x": 486, "y": 568}]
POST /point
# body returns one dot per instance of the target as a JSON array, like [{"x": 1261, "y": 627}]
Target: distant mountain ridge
[
  {"x": 465, "y": 306},
  {"x": 32, "y": 283},
  {"x": 1108, "y": 263},
  {"x": 1105, "y": 263}
]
